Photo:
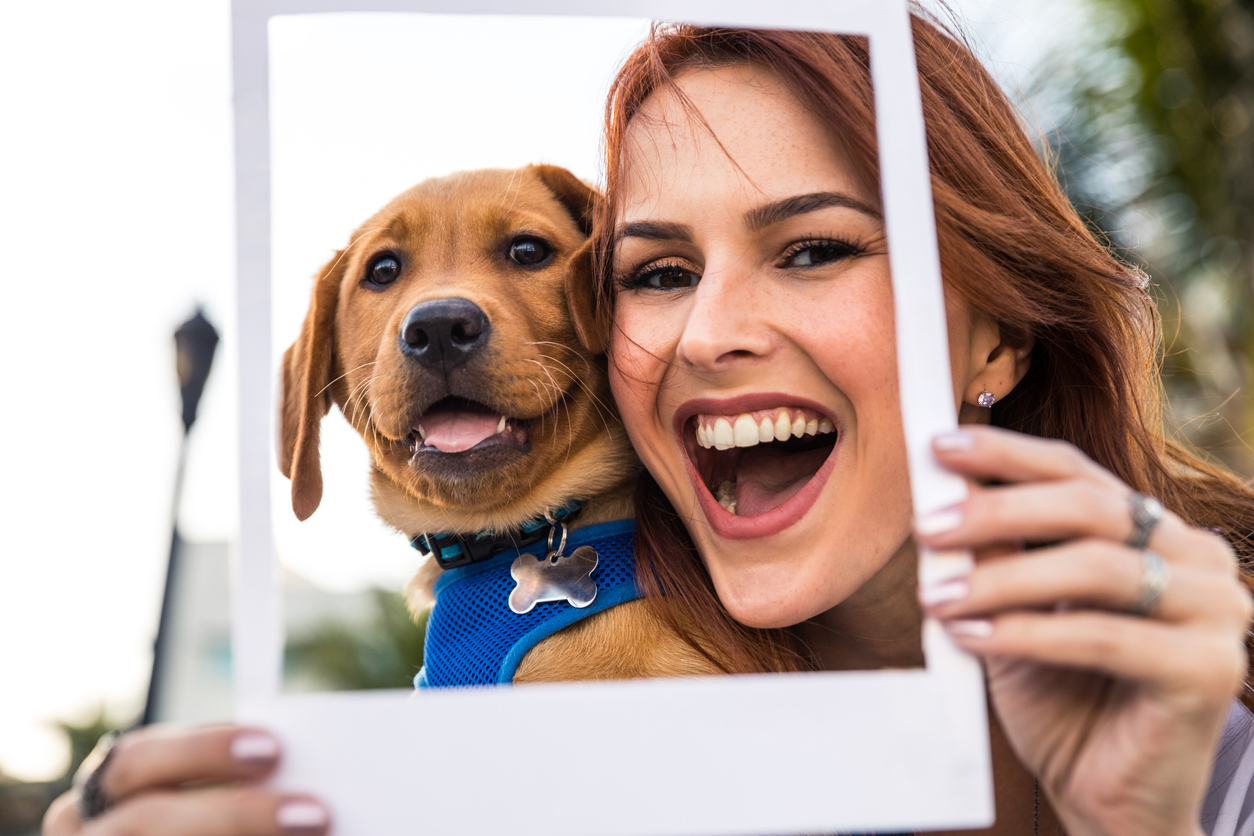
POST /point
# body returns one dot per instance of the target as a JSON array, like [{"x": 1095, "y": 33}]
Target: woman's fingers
[
  {"x": 1006, "y": 456},
  {"x": 212, "y": 812},
  {"x": 1063, "y": 510},
  {"x": 1087, "y": 573},
  {"x": 1204, "y": 667},
  {"x": 158, "y": 757}
]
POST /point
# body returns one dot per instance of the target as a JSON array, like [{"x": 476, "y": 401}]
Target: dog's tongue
[
  {"x": 767, "y": 478},
  {"x": 453, "y": 432}
]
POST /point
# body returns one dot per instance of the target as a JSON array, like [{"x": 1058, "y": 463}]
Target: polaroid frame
[{"x": 822, "y": 752}]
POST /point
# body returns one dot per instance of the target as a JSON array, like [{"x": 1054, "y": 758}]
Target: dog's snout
[{"x": 443, "y": 333}]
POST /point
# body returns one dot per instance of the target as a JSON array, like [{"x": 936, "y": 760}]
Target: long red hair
[{"x": 1012, "y": 248}]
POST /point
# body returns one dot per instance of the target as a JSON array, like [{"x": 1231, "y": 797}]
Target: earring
[{"x": 986, "y": 400}]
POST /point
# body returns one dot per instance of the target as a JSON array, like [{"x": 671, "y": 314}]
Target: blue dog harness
[{"x": 474, "y": 638}]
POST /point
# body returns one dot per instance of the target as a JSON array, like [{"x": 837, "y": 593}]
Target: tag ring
[{"x": 561, "y": 546}]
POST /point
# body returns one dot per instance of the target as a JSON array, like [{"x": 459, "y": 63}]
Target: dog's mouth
[
  {"x": 457, "y": 425},
  {"x": 755, "y": 462}
]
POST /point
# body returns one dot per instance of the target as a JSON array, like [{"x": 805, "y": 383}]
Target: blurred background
[{"x": 116, "y": 224}]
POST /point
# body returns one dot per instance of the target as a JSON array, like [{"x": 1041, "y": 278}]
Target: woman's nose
[{"x": 726, "y": 323}]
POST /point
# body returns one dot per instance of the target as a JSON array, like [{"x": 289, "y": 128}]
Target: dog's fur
[{"x": 540, "y": 366}]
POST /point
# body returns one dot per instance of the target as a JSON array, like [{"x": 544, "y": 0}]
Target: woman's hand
[
  {"x": 1118, "y": 714},
  {"x": 190, "y": 782}
]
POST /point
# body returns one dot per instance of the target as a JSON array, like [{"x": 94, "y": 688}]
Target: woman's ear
[
  {"x": 997, "y": 363},
  {"x": 306, "y": 398}
]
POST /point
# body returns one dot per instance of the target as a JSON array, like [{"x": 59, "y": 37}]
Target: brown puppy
[{"x": 444, "y": 333}]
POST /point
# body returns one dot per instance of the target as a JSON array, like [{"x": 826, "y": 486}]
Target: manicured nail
[
  {"x": 302, "y": 818},
  {"x": 976, "y": 628},
  {"x": 938, "y": 521},
  {"x": 956, "y": 440},
  {"x": 253, "y": 748},
  {"x": 930, "y": 596}
]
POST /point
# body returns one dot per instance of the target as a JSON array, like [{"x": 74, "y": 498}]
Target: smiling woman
[{"x": 744, "y": 298}]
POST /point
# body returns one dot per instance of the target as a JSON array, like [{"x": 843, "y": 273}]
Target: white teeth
[
  {"x": 782, "y": 427},
  {"x": 742, "y": 431},
  {"x": 422, "y": 433},
  {"x": 726, "y": 496},
  {"x": 746, "y": 431},
  {"x": 500, "y": 426}
]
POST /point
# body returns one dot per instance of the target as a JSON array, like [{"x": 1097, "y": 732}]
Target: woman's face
[{"x": 753, "y": 357}]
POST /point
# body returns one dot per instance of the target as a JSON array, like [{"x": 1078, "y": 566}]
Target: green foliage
[{"x": 385, "y": 654}]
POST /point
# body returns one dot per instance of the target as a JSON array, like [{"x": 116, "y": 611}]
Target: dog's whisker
[{"x": 341, "y": 377}]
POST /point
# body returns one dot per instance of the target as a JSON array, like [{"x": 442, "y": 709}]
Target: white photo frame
[{"x": 763, "y": 754}]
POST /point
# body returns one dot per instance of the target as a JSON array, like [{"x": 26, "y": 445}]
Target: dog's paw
[{"x": 541, "y": 579}]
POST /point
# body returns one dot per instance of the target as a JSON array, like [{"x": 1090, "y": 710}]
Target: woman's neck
[{"x": 879, "y": 626}]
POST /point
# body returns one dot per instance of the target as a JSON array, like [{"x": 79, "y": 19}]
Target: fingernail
[
  {"x": 930, "y": 596},
  {"x": 976, "y": 628},
  {"x": 938, "y": 521},
  {"x": 956, "y": 440},
  {"x": 254, "y": 748},
  {"x": 301, "y": 818}
]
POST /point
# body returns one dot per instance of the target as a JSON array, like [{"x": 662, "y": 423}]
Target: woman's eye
[
  {"x": 528, "y": 251},
  {"x": 670, "y": 278},
  {"x": 812, "y": 255},
  {"x": 384, "y": 270}
]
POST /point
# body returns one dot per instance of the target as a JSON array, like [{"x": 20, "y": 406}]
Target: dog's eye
[
  {"x": 384, "y": 270},
  {"x": 528, "y": 251}
]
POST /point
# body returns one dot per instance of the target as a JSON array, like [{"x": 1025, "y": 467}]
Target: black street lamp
[{"x": 194, "y": 344}]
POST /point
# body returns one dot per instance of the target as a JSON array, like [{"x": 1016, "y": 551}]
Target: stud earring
[{"x": 986, "y": 400}]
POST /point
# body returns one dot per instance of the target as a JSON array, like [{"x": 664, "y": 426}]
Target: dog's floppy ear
[
  {"x": 582, "y": 202},
  {"x": 306, "y": 397}
]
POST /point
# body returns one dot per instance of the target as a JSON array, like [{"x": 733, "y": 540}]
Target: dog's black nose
[{"x": 443, "y": 333}]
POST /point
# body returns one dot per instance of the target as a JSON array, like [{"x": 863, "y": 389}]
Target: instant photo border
[{"x": 799, "y": 753}]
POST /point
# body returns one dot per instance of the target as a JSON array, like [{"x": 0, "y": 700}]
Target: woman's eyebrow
[
  {"x": 655, "y": 231},
  {"x": 781, "y": 210}
]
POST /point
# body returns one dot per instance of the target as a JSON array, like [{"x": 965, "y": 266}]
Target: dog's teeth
[
  {"x": 724, "y": 438},
  {"x": 782, "y": 428},
  {"x": 799, "y": 427},
  {"x": 726, "y": 496},
  {"x": 826, "y": 426},
  {"x": 422, "y": 433},
  {"x": 500, "y": 425},
  {"x": 766, "y": 432},
  {"x": 746, "y": 432},
  {"x": 812, "y": 426}
]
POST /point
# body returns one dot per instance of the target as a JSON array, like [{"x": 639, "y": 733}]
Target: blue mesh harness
[{"x": 473, "y": 638}]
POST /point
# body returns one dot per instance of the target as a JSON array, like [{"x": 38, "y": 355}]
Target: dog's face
[{"x": 444, "y": 332}]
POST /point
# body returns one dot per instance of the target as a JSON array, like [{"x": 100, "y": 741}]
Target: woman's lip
[
  {"x": 744, "y": 403},
  {"x": 724, "y": 523}
]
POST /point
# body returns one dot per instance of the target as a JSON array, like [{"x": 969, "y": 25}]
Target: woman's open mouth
[{"x": 757, "y": 471}]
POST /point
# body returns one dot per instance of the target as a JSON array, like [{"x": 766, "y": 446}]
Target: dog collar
[{"x": 451, "y": 549}]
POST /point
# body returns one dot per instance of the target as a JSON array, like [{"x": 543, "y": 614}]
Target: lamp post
[{"x": 194, "y": 344}]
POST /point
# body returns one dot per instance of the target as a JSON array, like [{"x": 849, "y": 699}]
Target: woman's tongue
[{"x": 767, "y": 478}]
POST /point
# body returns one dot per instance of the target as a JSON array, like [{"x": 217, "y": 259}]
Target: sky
[{"x": 116, "y": 221}]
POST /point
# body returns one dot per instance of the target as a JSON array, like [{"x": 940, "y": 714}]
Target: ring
[
  {"x": 1146, "y": 512},
  {"x": 92, "y": 800},
  {"x": 1155, "y": 576}
]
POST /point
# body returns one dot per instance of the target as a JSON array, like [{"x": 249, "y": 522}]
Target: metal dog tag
[{"x": 554, "y": 578}]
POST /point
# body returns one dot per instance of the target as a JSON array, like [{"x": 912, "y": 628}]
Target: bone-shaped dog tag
[{"x": 554, "y": 578}]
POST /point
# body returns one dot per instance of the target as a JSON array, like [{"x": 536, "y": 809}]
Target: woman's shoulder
[{"x": 1228, "y": 809}]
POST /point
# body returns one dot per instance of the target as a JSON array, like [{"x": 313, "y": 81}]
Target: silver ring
[
  {"x": 92, "y": 800},
  {"x": 1155, "y": 575},
  {"x": 1146, "y": 512}
]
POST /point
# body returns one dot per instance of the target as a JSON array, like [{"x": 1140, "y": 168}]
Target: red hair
[{"x": 1012, "y": 248}]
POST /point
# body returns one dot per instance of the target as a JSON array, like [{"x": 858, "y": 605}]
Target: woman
[
  {"x": 744, "y": 272},
  {"x": 744, "y": 292}
]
